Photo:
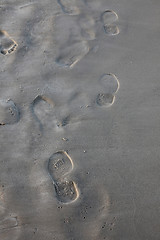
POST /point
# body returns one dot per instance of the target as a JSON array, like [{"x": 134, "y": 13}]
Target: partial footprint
[
  {"x": 87, "y": 25},
  {"x": 108, "y": 19},
  {"x": 110, "y": 82},
  {"x": 8, "y": 223},
  {"x": 111, "y": 85},
  {"x": 7, "y": 44},
  {"x": 9, "y": 113},
  {"x": 60, "y": 164},
  {"x": 42, "y": 108},
  {"x": 105, "y": 99},
  {"x": 111, "y": 29},
  {"x": 69, "y": 7},
  {"x": 10, "y": 228},
  {"x": 64, "y": 121},
  {"x": 66, "y": 191},
  {"x": 72, "y": 53}
]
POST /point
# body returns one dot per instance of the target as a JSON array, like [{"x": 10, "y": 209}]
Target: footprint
[
  {"x": 72, "y": 53},
  {"x": 60, "y": 164},
  {"x": 108, "y": 18},
  {"x": 42, "y": 108},
  {"x": 9, "y": 113},
  {"x": 7, "y": 44},
  {"x": 8, "y": 223},
  {"x": 111, "y": 85},
  {"x": 69, "y": 7}
]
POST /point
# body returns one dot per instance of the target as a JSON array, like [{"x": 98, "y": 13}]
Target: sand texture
[{"x": 79, "y": 119}]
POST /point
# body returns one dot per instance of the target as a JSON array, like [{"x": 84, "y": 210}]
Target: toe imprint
[
  {"x": 7, "y": 44},
  {"x": 9, "y": 113}
]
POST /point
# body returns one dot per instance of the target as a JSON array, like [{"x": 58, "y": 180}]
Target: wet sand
[{"x": 79, "y": 120}]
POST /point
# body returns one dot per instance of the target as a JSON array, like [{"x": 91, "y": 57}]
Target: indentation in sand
[
  {"x": 9, "y": 113},
  {"x": 108, "y": 19},
  {"x": 8, "y": 223},
  {"x": 10, "y": 228},
  {"x": 69, "y": 6},
  {"x": 42, "y": 107},
  {"x": 7, "y": 44},
  {"x": 60, "y": 164},
  {"x": 65, "y": 121},
  {"x": 111, "y": 85},
  {"x": 110, "y": 82},
  {"x": 72, "y": 53}
]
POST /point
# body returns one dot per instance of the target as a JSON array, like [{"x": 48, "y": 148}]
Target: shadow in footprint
[
  {"x": 7, "y": 44},
  {"x": 60, "y": 164}
]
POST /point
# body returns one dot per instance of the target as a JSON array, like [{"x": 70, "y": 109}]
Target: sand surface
[{"x": 79, "y": 120}]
